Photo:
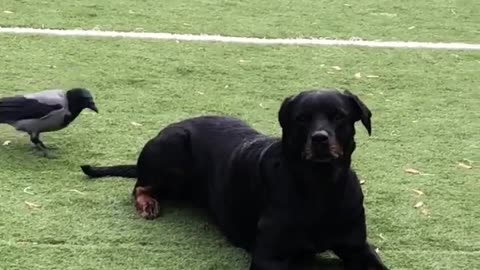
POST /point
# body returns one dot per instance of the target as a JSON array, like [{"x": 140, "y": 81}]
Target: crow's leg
[{"x": 35, "y": 139}]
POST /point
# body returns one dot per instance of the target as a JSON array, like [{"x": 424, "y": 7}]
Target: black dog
[{"x": 280, "y": 199}]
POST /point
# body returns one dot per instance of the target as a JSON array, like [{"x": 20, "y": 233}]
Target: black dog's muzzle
[{"x": 321, "y": 147}]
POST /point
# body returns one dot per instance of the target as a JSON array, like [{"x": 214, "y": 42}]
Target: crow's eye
[{"x": 303, "y": 118}]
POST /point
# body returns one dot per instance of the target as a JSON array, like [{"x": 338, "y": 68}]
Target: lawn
[
  {"x": 432, "y": 20},
  {"x": 426, "y": 115}
]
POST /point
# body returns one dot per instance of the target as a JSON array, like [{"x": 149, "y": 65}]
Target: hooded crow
[{"x": 45, "y": 111}]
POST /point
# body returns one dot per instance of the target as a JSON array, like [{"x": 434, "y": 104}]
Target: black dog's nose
[{"x": 320, "y": 136}]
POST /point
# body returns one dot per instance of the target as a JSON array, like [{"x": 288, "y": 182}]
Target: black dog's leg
[
  {"x": 267, "y": 254},
  {"x": 146, "y": 188},
  {"x": 276, "y": 244},
  {"x": 145, "y": 202},
  {"x": 266, "y": 260},
  {"x": 163, "y": 171},
  {"x": 274, "y": 258},
  {"x": 363, "y": 257}
]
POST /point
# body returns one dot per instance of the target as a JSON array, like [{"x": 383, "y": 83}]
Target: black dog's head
[{"x": 318, "y": 125}]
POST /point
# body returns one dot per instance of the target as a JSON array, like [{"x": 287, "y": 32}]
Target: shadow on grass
[{"x": 28, "y": 156}]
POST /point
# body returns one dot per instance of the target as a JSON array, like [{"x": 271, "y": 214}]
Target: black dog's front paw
[
  {"x": 268, "y": 265},
  {"x": 362, "y": 266},
  {"x": 361, "y": 258}
]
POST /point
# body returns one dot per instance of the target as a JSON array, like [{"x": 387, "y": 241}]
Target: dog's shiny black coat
[{"x": 279, "y": 198}]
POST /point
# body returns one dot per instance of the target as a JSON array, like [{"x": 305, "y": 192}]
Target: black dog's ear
[
  {"x": 361, "y": 111},
  {"x": 284, "y": 112}
]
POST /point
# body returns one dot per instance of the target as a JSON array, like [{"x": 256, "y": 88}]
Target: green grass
[
  {"x": 433, "y": 20},
  {"x": 425, "y": 107}
]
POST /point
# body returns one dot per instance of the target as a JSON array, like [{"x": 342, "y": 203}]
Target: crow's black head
[{"x": 79, "y": 99}]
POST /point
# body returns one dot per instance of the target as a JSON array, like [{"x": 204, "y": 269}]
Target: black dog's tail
[{"x": 128, "y": 171}]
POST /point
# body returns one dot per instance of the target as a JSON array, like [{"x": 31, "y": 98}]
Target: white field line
[{"x": 240, "y": 40}]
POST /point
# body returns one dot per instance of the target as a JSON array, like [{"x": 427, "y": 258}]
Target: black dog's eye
[
  {"x": 339, "y": 117},
  {"x": 303, "y": 118}
]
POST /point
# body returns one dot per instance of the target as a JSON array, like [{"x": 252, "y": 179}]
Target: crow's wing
[
  {"x": 17, "y": 108},
  {"x": 50, "y": 97}
]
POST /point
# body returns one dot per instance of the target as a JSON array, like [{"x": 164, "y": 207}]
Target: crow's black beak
[{"x": 93, "y": 107}]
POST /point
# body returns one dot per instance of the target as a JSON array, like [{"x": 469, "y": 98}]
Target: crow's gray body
[
  {"x": 52, "y": 121},
  {"x": 45, "y": 111}
]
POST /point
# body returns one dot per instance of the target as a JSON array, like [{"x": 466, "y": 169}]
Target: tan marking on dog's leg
[{"x": 147, "y": 206}]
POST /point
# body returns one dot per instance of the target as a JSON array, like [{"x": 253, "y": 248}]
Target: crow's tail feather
[{"x": 127, "y": 171}]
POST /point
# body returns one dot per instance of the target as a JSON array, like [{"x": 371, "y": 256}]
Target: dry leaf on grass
[
  {"x": 358, "y": 75},
  {"x": 417, "y": 172},
  {"x": 5, "y": 143},
  {"x": 391, "y": 15},
  {"x": 412, "y": 171},
  {"x": 419, "y": 192},
  {"x": 362, "y": 182},
  {"x": 418, "y": 204},
  {"x": 77, "y": 191},
  {"x": 32, "y": 205},
  {"x": 463, "y": 165},
  {"x": 136, "y": 124},
  {"x": 27, "y": 190}
]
